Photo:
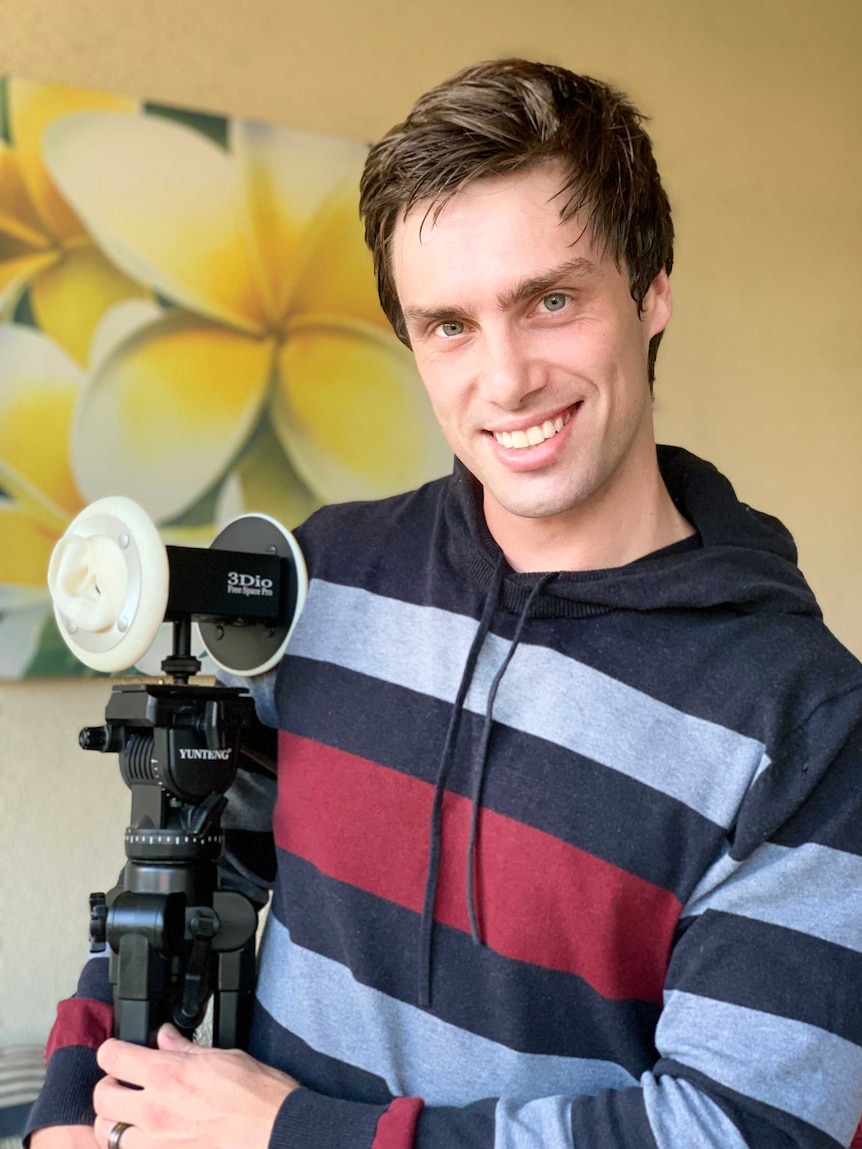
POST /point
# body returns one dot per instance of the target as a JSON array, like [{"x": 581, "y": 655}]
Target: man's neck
[{"x": 608, "y": 532}]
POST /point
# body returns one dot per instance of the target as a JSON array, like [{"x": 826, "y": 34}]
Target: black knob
[
  {"x": 93, "y": 738},
  {"x": 98, "y": 923}
]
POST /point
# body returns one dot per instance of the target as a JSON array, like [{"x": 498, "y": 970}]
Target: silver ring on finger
[{"x": 116, "y": 1133}]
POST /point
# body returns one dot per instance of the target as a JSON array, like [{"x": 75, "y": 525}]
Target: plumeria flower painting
[{"x": 188, "y": 317}]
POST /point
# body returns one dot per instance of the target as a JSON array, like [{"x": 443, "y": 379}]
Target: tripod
[{"x": 176, "y": 938}]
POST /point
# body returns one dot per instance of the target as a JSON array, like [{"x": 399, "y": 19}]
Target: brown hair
[{"x": 503, "y": 116}]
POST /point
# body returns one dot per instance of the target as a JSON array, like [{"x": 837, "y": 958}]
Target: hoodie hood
[{"x": 747, "y": 559}]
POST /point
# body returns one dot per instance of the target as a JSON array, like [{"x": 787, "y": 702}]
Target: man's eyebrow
[
  {"x": 423, "y": 315},
  {"x": 580, "y": 268}
]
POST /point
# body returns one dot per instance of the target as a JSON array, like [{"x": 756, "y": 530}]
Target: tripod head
[{"x": 174, "y": 934}]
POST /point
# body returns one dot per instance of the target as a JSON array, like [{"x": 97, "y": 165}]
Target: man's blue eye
[
  {"x": 554, "y": 302},
  {"x": 451, "y": 328}
]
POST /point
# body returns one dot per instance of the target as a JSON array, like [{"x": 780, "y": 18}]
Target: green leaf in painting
[{"x": 213, "y": 127}]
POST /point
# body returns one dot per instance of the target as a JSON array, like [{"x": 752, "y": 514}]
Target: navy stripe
[
  {"x": 307, "y": 1119},
  {"x": 614, "y": 1118},
  {"x": 720, "y": 956},
  {"x": 93, "y": 982},
  {"x": 66, "y": 1098},
  {"x": 444, "y": 1126},
  {"x": 499, "y": 999},
  {"x": 827, "y": 817},
  {"x": 272, "y": 1044},
  {"x": 602, "y": 811},
  {"x": 251, "y": 854}
]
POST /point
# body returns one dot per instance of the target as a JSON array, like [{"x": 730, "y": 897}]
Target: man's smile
[{"x": 535, "y": 434}]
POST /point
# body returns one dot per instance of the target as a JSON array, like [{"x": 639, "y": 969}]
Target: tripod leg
[
  {"x": 234, "y": 998},
  {"x": 141, "y": 985},
  {"x": 234, "y": 989},
  {"x": 145, "y": 932}
]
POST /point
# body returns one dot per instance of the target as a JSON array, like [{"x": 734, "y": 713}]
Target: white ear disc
[{"x": 108, "y": 577}]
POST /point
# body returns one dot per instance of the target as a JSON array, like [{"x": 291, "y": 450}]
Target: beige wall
[{"x": 756, "y": 109}]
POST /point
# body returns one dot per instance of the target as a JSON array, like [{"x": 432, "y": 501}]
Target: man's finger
[
  {"x": 129, "y": 1138},
  {"x": 125, "y": 1061},
  {"x": 117, "y": 1102},
  {"x": 171, "y": 1040}
]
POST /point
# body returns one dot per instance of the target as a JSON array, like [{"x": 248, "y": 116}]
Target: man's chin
[{"x": 531, "y": 505}]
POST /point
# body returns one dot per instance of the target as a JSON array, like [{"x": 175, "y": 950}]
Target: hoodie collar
[{"x": 747, "y": 559}]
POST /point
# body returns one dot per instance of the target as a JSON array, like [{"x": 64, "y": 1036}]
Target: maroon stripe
[
  {"x": 540, "y": 899},
  {"x": 80, "y": 1021},
  {"x": 397, "y": 1125}
]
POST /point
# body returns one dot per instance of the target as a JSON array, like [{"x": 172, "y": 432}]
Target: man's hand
[{"x": 188, "y": 1096}]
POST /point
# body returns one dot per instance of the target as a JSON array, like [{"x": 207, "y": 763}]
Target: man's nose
[{"x": 509, "y": 374}]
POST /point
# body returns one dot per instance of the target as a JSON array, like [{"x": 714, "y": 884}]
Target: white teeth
[{"x": 533, "y": 435}]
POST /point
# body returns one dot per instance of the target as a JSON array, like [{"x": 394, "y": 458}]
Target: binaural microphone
[{"x": 113, "y": 582}]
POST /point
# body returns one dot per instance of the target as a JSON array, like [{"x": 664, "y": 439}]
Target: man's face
[{"x": 530, "y": 346}]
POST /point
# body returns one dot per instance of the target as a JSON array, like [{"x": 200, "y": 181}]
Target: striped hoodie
[{"x": 567, "y": 861}]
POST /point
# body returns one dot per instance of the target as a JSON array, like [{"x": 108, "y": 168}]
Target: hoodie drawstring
[
  {"x": 480, "y": 760},
  {"x": 479, "y": 768},
  {"x": 427, "y": 924}
]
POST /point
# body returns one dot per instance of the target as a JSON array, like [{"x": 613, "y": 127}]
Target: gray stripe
[
  {"x": 414, "y": 1052},
  {"x": 788, "y": 1064},
  {"x": 543, "y": 1124},
  {"x": 701, "y": 764},
  {"x": 679, "y": 1114},
  {"x": 810, "y": 888}
]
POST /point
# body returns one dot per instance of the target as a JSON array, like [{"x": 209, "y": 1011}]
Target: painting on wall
[{"x": 188, "y": 318}]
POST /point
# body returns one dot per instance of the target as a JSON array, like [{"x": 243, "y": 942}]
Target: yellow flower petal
[
  {"x": 167, "y": 411},
  {"x": 69, "y": 299},
  {"x": 18, "y": 266},
  {"x": 163, "y": 203},
  {"x": 350, "y": 411},
  {"x": 39, "y": 386},
  {"x": 287, "y": 175},
  {"x": 25, "y": 552},
  {"x": 337, "y": 271},
  {"x": 18, "y": 216},
  {"x": 32, "y": 108}
]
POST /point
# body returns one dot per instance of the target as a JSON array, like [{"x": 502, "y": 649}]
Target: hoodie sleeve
[{"x": 85, "y": 1020}]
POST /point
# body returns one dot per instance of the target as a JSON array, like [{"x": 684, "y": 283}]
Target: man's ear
[{"x": 657, "y": 305}]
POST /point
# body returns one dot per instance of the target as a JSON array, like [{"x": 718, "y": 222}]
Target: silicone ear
[
  {"x": 108, "y": 578},
  {"x": 252, "y": 649}
]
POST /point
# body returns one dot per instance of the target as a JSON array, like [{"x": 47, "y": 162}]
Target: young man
[{"x": 568, "y": 821}]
